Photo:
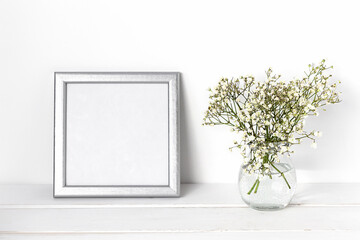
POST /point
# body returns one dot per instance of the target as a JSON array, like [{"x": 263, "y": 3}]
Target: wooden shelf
[{"x": 205, "y": 211}]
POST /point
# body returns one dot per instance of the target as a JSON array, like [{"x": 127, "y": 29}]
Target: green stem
[
  {"x": 257, "y": 186},
  {"x": 282, "y": 174},
  {"x": 252, "y": 188}
]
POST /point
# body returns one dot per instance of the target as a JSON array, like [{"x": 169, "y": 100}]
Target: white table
[{"x": 205, "y": 211}]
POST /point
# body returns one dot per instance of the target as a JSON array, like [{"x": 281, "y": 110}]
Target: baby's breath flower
[
  {"x": 317, "y": 134},
  {"x": 314, "y": 145},
  {"x": 270, "y": 114}
]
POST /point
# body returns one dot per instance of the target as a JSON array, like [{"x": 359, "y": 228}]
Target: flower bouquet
[{"x": 270, "y": 115}]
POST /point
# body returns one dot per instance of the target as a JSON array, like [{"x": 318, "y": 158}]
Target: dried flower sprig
[{"x": 270, "y": 114}]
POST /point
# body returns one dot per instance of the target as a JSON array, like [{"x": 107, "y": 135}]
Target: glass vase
[{"x": 271, "y": 191}]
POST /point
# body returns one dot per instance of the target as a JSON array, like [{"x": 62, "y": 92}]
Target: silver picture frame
[{"x": 90, "y": 124}]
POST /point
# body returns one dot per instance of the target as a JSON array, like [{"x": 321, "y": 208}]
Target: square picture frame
[{"x": 116, "y": 134}]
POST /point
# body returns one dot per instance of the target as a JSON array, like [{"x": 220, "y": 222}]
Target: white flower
[
  {"x": 244, "y": 137},
  {"x": 283, "y": 149},
  {"x": 292, "y": 140},
  {"x": 311, "y": 107},
  {"x": 302, "y": 101},
  {"x": 317, "y": 134},
  {"x": 314, "y": 145}
]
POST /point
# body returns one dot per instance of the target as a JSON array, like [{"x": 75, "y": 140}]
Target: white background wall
[{"x": 204, "y": 40}]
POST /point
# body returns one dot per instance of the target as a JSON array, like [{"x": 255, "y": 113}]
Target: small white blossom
[
  {"x": 317, "y": 134},
  {"x": 251, "y": 138}
]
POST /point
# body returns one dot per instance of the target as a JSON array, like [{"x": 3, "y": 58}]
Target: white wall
[{"x": 202, "y": 39}]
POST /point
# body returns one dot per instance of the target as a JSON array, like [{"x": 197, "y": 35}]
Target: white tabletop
[{"x": 204, "y": 211}]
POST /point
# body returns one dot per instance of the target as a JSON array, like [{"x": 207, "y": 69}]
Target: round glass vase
[{"x": 271, "y": 191}]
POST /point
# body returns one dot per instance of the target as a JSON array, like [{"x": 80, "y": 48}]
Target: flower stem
[
  {"x": 282, "y": 174},
  {"x": 257, "y": 186},
  {"x": 253, "y": 186}
]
